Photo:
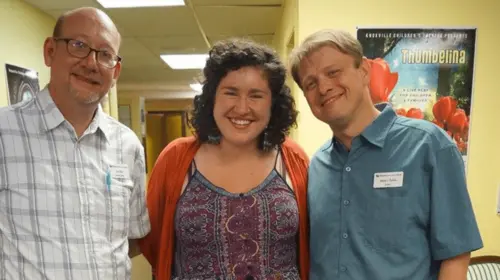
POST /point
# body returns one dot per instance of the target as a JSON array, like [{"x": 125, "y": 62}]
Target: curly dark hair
[{"x": 230, "y": 55}]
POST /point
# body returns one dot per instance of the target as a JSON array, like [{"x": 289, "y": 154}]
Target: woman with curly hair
[{"x": 230, "y": 202}]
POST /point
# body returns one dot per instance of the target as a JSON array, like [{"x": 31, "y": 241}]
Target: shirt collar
[
  {"x": 100, "y": 122},
  {"x": 53, "y": 116},
  {"x": 377, "y": 131},
  {"x": 50, "y": 113}
]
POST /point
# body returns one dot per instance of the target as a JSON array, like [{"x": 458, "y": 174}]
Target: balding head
[
  {"x": 83, "y": 56},
  {"x": 91, "y": 12}
]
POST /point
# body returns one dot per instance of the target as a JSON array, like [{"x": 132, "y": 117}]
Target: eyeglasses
[{"x": 81, "y": 50}]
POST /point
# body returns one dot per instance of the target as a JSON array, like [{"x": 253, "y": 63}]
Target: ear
[
  {"x": 116, "y": 73},
  {"x": 49, "y": 49},
  {"x": 365, "y": 68}
]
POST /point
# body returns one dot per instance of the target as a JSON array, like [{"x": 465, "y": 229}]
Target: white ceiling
[{"x": 149, "y": 32}]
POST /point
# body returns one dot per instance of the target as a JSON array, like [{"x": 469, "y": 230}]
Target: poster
[
  {"x": 22, "y": 83},
  {"x": 425, "y": 74}
]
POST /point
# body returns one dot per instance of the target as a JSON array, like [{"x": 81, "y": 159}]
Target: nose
[
  {"x": 91, "y": 59},
  {"x": 324, "y": 85},
  {"x": 242, "y": 105}
]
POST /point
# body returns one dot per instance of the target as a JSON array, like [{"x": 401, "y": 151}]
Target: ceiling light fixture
[
  {"x": 140, "y": 3},
  {"x": 196, "y": 87},
  {"x": 185, "y": 61}
]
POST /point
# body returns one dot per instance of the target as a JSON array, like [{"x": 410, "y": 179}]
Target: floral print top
[{"x": 222, "y": 235}]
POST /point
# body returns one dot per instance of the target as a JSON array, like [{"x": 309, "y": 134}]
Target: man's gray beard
[{"x": 87, "y": 99}]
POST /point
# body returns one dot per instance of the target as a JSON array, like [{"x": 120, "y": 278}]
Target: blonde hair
[{"x": 341, "y": 40}]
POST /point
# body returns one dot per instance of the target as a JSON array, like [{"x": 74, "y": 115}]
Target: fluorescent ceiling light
[
  {"x": 139, "y": 3},
  {"x": 185, "y": 61},
  {"x": 196, "y": 87}
]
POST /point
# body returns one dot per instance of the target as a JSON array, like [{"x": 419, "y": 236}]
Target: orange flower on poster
[
  {"x": 414, "y": 113},
  {"x": 382, "y": 80},
  {"x": 452, "y": 119}
]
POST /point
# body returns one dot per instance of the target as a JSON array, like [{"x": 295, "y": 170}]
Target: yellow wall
[
  {"x": 284, "y": 40},
  {"x": 484, "y": 157},
  {"x": 113, "y": 103},
  {"x": 23, "y": 30},
  {"x": 286, "y": 27},
  {"x": 109, "y": 103}
]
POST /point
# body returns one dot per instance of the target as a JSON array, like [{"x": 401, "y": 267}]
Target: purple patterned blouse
[{"x": 221, "y": 235}]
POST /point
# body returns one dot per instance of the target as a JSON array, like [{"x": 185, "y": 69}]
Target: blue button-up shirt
[{"x": 391, "y": 208}]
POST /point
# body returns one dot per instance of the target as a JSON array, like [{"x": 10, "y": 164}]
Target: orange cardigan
[{"x": 164, "y": 190}]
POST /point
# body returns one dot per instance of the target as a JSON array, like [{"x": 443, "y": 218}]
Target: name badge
[
  {"x": 388, "y": 180},
  {"x": 119, "y": 171}
]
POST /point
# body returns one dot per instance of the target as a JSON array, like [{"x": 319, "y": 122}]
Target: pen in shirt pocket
[{"x": 108, "y": 180}]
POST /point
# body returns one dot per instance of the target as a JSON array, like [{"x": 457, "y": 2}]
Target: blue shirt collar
[{"x": 377, "y": 131}]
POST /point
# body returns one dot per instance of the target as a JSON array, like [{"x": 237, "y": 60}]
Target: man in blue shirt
[{"x": 387, "y": 195}]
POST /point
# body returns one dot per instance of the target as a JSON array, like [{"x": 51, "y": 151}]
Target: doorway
[{"x": 162, "y": 127}]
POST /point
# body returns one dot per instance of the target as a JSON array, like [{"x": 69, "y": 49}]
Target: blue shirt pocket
[{"x": 385, "y": 219}]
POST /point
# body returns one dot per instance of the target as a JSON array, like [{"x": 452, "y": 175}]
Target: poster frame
[
  {"x": 36, "y": 80},
  {"x": 473, "y": 82}
]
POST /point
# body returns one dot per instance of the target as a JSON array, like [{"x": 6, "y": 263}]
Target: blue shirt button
[
  {"x": 345, "y": 235},
  {"x": 348, "y": 169},
  {"x": 346, "y": 202},
  {"x": 343, "y": 269}
]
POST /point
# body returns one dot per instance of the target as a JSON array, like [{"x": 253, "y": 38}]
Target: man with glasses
[{"x": 71, "y": 177}]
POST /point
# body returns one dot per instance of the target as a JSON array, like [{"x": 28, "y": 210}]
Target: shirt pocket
[{"x": 385, "y": 219}]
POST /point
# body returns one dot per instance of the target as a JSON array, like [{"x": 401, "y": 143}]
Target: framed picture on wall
[
  {"x": 22, "y": 83},
  {"x": 424, "y": 73}
]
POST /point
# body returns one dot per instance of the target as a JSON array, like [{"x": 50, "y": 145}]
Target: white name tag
[
  {"x": 388, "y": 180},
  {"x": 119, "y": 171}
]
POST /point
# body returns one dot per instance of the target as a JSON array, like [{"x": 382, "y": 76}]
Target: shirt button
[
  {"x": 346, "y": 202},
  {"x": 345, "y": 235},
  {"x": 343, "y": 268},
  {"x": 348, "y": 169}
]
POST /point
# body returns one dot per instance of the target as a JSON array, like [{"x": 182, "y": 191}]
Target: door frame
[{"x": 183, "y": 114}]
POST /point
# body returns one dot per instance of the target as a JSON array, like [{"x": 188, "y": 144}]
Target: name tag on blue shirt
[{"x": 388, "y": 180}]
